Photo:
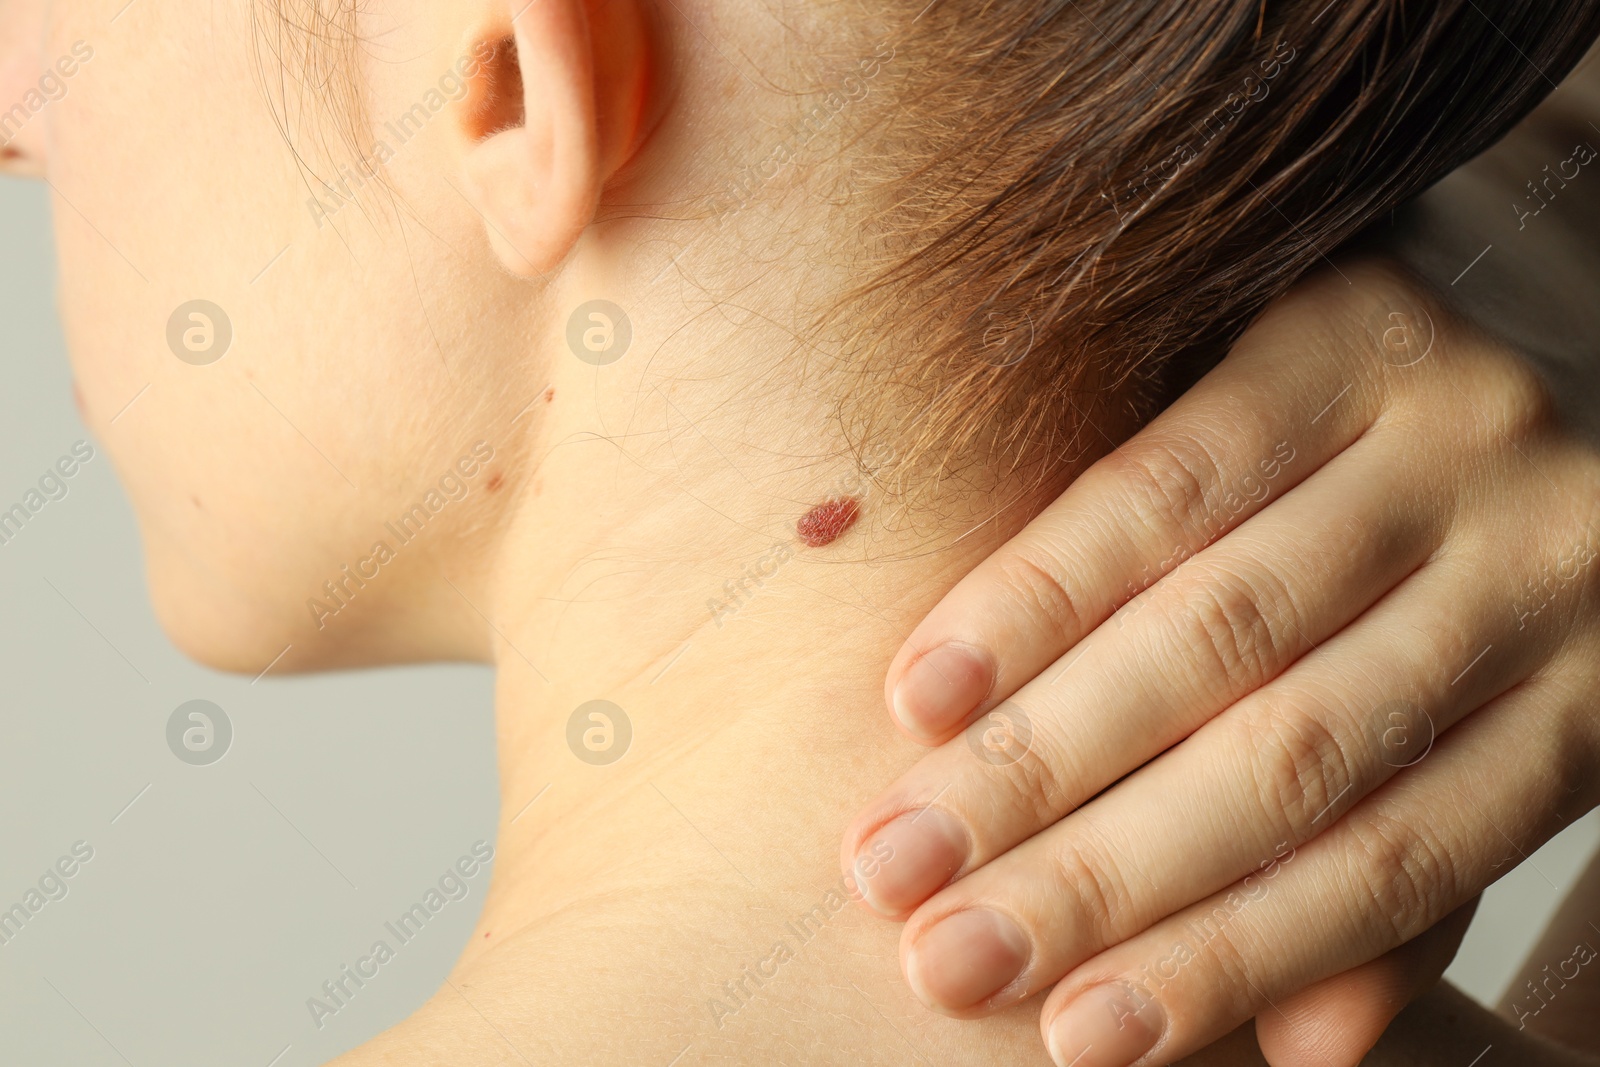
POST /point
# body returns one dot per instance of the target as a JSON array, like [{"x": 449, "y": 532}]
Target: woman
[{"x": 675, "y": 370}]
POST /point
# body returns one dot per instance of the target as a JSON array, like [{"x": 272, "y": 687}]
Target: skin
[
  {"x": 419, "y": 333},
  {"x": 373, "y": 355},
  {"x": 1349, "y": 688}
]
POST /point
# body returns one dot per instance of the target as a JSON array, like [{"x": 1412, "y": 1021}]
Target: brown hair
[
  {"x": 1094, "y": 191},
  {"x": 1078, "y": 200},
  {"x": 307, "y": 61}
]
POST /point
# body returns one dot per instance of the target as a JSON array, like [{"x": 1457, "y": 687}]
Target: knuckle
[
  {"x": 1377, "y": 334},
  {"x": 1324, "y": 319},
  {"x": 1474, "y": 388},
  {"x": 1508, "y": 405},
  {"x": 1040, "y": 782},
  {"x": 1167, "y": 488},
  {"x": 1528, "y": 407},
  {"x": 1035, "y": 584},
  {"x": 1216, "y": 941},
  {"x": 1102, "y": 903},
  {"x": 1229, "y": 620},
  {"x": 1408, "y": 873},
  {"x": 1301, "y": 767}
]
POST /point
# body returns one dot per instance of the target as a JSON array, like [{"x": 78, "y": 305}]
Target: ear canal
[{"x": 494, "y": 98}]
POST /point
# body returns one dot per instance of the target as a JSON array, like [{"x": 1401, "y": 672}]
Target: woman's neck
[
  {"x": 653, "y": 846},
  {"x": 656, "y": 562},
  {"x": 689, "y": 891}
]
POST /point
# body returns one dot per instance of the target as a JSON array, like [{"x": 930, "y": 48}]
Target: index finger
[{"x": 1298, "y": 388}]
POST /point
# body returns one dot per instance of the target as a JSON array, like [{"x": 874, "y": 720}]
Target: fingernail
[
  {"x": 966, "y": 959},
  {"x": 941, "y": 689},
  {"x": 1105, "y": 1026},
  {"x": 910, "y": 860}
]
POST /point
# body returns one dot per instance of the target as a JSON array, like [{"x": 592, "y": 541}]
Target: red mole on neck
[{"x": 825, "y": 523}]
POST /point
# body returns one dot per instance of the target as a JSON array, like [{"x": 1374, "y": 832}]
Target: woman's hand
[{"x": 1352, "y": 687}]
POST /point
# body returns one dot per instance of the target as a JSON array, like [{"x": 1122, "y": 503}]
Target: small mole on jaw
[
  {"x": 549, "y": 394},
  {"x": 827, "y": 522},
  {"x": 494, "y": 482}
]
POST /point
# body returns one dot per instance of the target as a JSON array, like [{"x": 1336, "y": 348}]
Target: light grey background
[
  {"x": 221, "y": 897},
  {"x": 224, "y": 896}
]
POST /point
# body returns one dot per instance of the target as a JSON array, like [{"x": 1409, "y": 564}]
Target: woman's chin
[
  {"x": 256, "y": 634},
  {"x": 230, "y": 632}
]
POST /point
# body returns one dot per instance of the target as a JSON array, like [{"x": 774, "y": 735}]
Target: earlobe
[{"x": 551, "y": 118}]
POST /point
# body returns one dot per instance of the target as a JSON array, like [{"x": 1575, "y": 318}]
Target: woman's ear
[
  {"x": 563, "y": 96},
  {"x": 25, "y": 87}
]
